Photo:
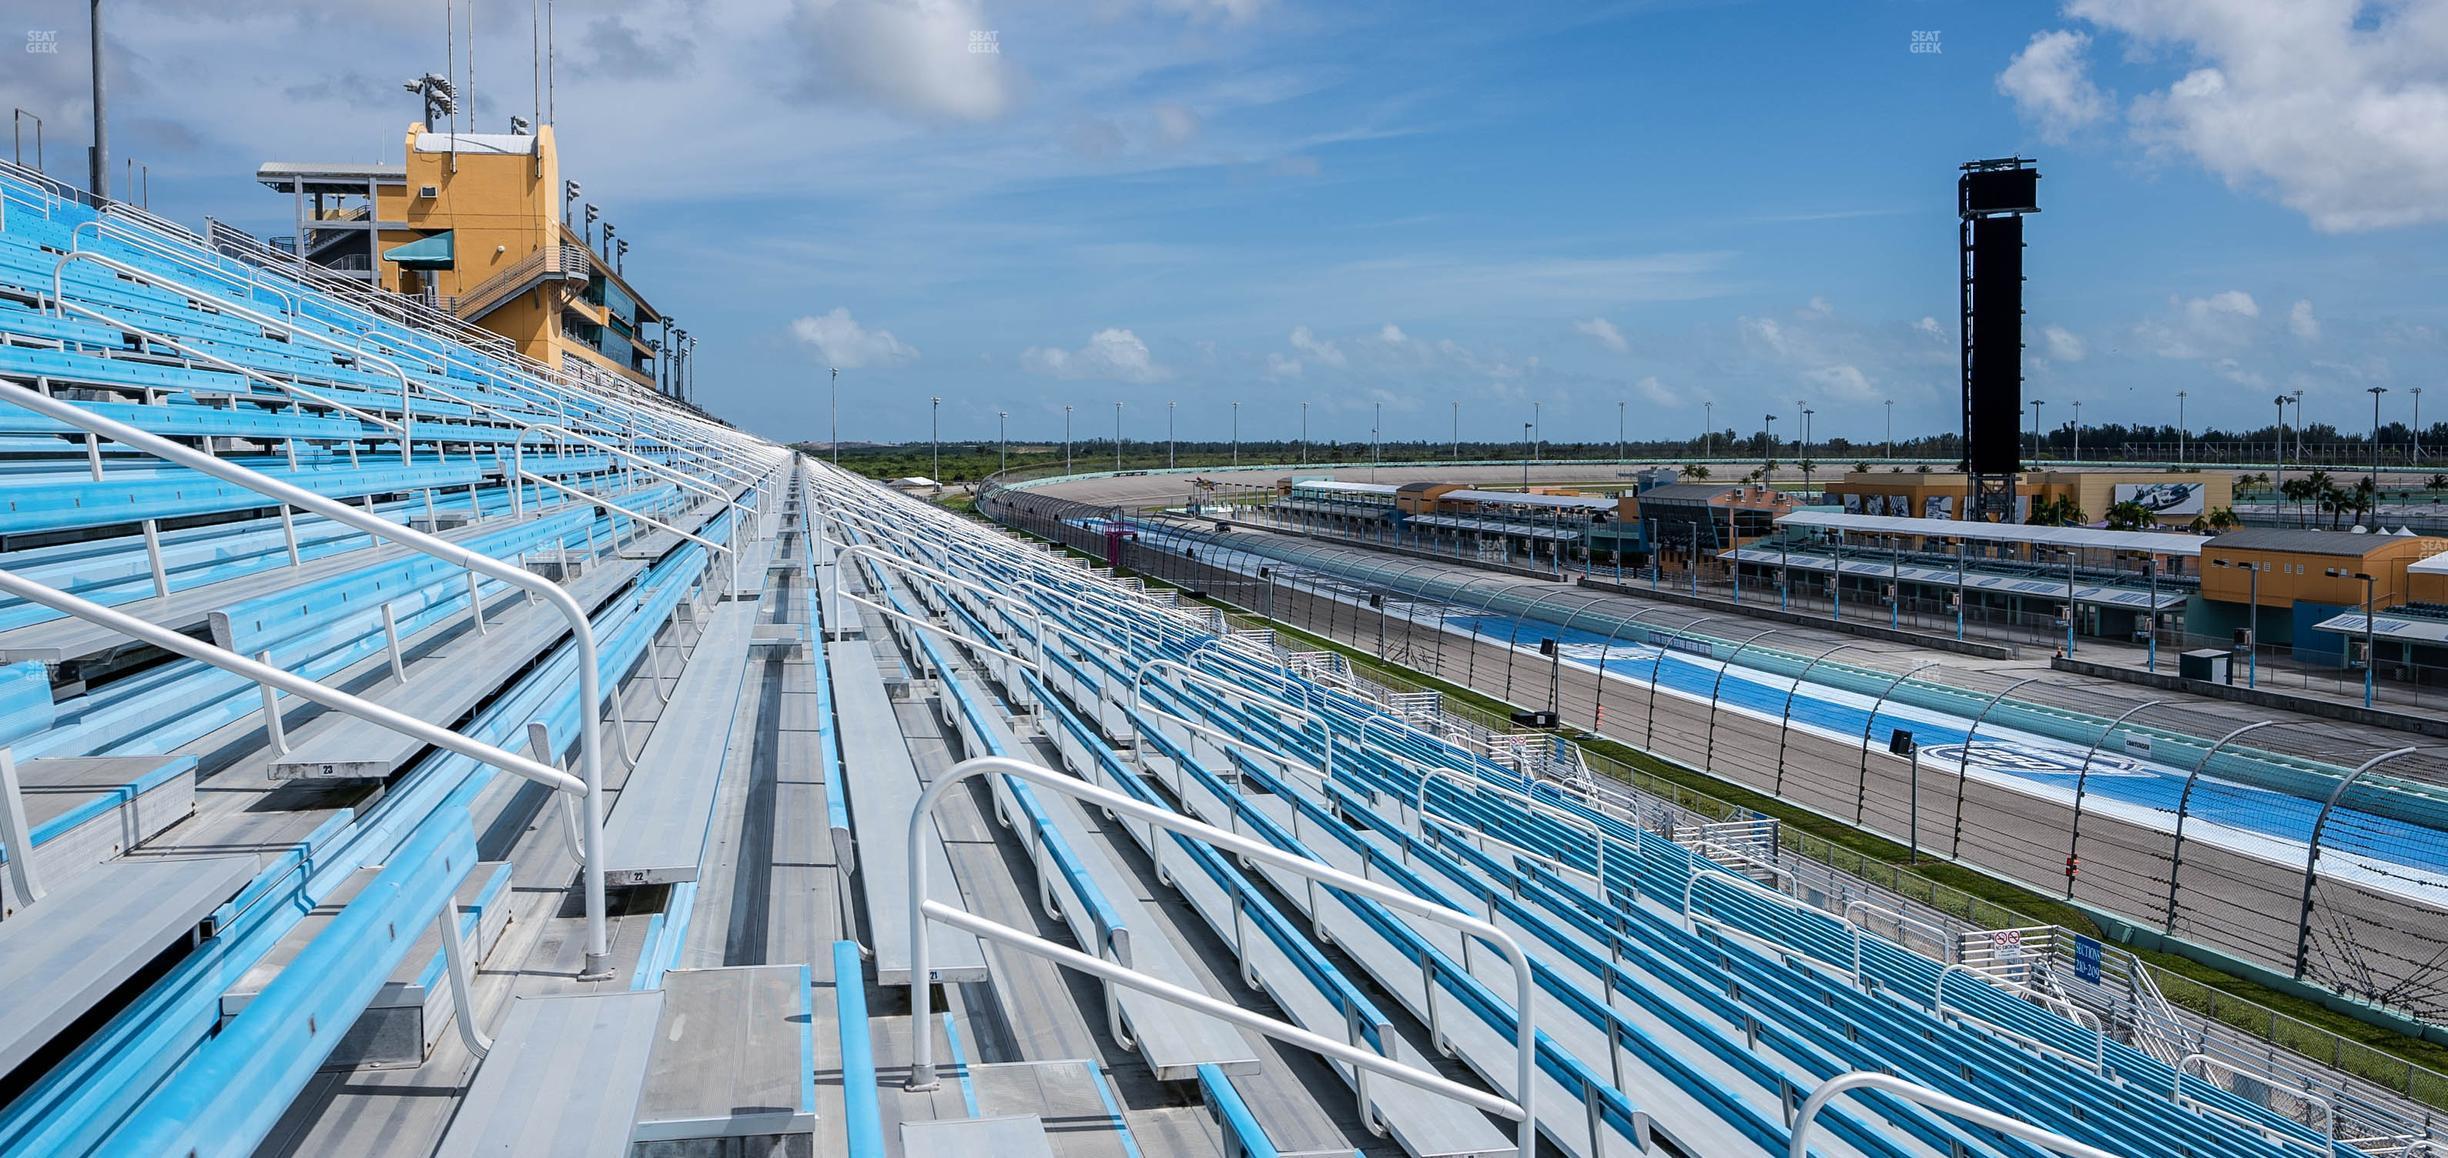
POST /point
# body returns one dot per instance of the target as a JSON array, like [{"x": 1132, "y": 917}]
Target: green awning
[{"x": 433, "y": 252}]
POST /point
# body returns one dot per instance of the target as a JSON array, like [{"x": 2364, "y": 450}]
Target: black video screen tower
[{"x": 1991, "y": 198}]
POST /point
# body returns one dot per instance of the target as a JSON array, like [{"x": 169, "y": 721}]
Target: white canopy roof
[
  {"x": 2139, "y": 542},
  {"x": 1526, "y": 499}
]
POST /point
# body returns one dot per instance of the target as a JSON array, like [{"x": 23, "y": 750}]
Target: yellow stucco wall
[{"x": 2288, "y": 576}]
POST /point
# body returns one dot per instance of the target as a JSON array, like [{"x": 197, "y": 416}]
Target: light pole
[
  {"x": 837, "y": 416},
  {"x": 935, "y": 434},
  {"x": 1304, "y": 446},
  {"x": 1528, "y": 448},
  {"x": 1117, "y": 436},
  {"x": 2280, "y": 485},
  {"x": 1236, "y": 433},
  {"x": 1891, "y": 429},
  {"x": 2376, "y": 392},
  {"x": 2184, "y": 430},
  {"x": 2371, "y": 659},
  {"x": 1708, "y": 429},
  {"x": 1066, "y": 438},
  {"x": 1457, "y": 430},
  {"x": 1170, "y": 444},
  {"x": 1376, "y": 439},
  {"x": 1002, "y": 441},
  {"x": 2299, "y": 425},
  {"x": 2078, "y": 430},
  {"x": 2036, "y": 443},
  {"x": 1619, "y": 430},
  {"x": 2415, "y": 457},
  {"x": 2252, "y": 617},
  {"x": 1807, "y": 412},
  {"x": 1767, "y": 446}
]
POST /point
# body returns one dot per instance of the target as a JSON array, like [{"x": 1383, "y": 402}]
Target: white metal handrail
[
  {"x": 1419, "y": 807},
  {"x": 1807, "y": 1120},
  {"x": 876, "y": 557},
  {"x": 2073, "y": 1013},
  {"x": 2328, "y": 1112},
  {"x": 59, "y": 298},
  {"x": 21, "y": 859},
  {"x": 518, "y": 451},
  {"x": 1324, "y": 772},
  {"x": 145, "y": 239},
  {"x": 582, "y": 631},
  {"x": 292, "y": 389},
  {"x": 1521, "y": 1107},
  {"x": 1693, "y": 918},
  {"x": 648, "y": 520}
]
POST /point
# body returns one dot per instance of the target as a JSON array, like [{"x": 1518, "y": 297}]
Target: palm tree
[
  {"x": 2435, "y": 484},
  {"x": 2318, "y": 486},
  {"x": 2128, "y": 516},
  {"x": 2222, "y": 519},
  {"x": 1696, "y": 470}
]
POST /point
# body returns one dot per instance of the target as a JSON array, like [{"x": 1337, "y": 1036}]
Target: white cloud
[
  {"x": 1176, "y": 124},
  {"x": 1817, "y": 307},
  {"x": 1842, "y": 382},
  {"x": 2301, "y": 321},
  {"x": 1278, "y": 366},
  {"x": 909, "y": 56},
  {"x": 2051, "y": 84},
  {"x": 1111, "y": 354},
  {"x": 2202, "y": 327},
  {"x": 1392, "y": 335},
  {"x": 846, "y": 344},
  {"x": 2062, "y": 344},
  {"x": 1929, "y": 325},
  {"x": 2338, "y": 108},
  {"x": 1655, "y": 393},
  {"x": 1325, "y": 353},
  {"x": 1605, "y": 333}
]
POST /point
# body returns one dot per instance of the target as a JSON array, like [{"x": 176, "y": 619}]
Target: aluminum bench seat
[
  {"x": 663, "y": 817},
  {"x": 564, "y": 1078},
  {"x": 444, "y": 685},
  {"x": 84, "y": 810},
  {"x": 882, "y": 782},
  {"x": 1011, "y": 1136},
  {"x": 73, "y": 504},
  {"x": 94, "y": 932},
  {"x": 735, "y": 1057},
  {"x": 60, "y": 641}
]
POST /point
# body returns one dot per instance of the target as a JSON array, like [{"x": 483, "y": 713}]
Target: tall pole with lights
[
  {"x": 935, "y": 434},
  {"x": 1170, "y": 444},
  {"x": 837, "y": 416},
  {"x": 2376, "y": 392},
  {"x": 1236, "y": 433},
  {"x": 1002, "y": 441},
  {"x": 2184, "y": 430},
  {"x": 1066, "y": 438},
  {"x": 1117, "y": 435}
]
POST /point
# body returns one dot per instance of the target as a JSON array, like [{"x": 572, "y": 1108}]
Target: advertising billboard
[{"x": 2164, "y": 499}]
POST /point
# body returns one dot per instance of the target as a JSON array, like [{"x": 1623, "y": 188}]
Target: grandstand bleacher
[{"x": 411, "y": 749}]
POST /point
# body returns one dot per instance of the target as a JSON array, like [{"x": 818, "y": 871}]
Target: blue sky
[{"x": 1272, "y": 201}]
